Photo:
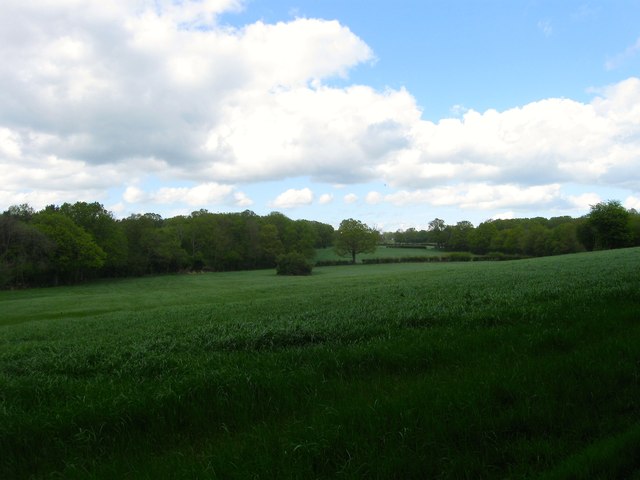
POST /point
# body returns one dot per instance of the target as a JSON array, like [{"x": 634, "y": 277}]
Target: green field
[
  {"x": 517, "y": 369},
  {"x": 324, "y": 254}
]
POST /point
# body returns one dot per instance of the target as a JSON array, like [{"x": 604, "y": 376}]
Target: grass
[
  {"x": 325, "y": 254},
  {"x": 527, "y": 369}
]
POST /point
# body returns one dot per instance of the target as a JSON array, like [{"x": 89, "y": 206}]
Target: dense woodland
[{"x": 72, "y": 243}]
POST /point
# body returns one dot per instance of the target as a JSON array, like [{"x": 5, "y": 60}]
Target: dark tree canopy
[
  {"x": 610, "y": 223},
  {"x": 355, "y": 237}
]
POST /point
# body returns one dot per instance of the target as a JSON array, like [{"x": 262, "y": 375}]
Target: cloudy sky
[{"x": 390, "y": 112}]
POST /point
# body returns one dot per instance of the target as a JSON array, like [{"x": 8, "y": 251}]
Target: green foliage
[
  {"x": 24, "y": 252},
  {"x": 33, "y": 255},
  {"x": 104, "y": 229},
  {"x": 439, "y": 370},
  {"x": 524, "y": 237},
  {"x": 355, "y": 237},
  {"x": 75, "y": 253},
  {"x": 293, "y": 264},
  {"x": 610, "y": 224}
]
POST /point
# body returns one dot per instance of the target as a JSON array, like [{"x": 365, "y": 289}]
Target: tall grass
[{"x": 462, "y": 370}]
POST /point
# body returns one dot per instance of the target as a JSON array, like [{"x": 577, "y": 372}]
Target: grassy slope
[
  {"x": 471, "y": 370},
  {"x": 381, "y": 252}
]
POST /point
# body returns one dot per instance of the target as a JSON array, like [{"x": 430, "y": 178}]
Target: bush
[
  {"x": 293, "y": 264},
  {"x": 460, "y": 257}
]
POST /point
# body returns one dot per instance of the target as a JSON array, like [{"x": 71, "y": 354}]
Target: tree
[
  {"x": 75, "y": 252},
  {"x": 105, "y": 230},
  {"x": 24, "y": 252},
  {"x": 634, "y": 226},
  {"x": 270, "y": 244},
  {"x": 355, "y": 237},
  {"x": 610, "y": 223},
  {"x": 480, "y": 238},
  {"x": 459, "y": 236},
  {"x": 437, "y": 232}
]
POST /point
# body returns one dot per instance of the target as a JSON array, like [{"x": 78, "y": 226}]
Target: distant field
[
  {"x": 527, "y": 369},
  {"x": 381, "y": 252}
]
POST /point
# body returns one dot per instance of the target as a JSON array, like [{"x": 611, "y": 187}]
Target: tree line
[
  {"x": 75, "y": 242},
  {"x": 72, "y": 243},
  {"x": 608, "y": 225}
]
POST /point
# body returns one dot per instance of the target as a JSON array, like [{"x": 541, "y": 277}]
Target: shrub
[
  {"x": 293, "y": 263},
  {"x": 460, "y": 257}
]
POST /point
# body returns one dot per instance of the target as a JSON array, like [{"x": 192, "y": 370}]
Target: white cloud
[
  {"x": 200, "y": 195},
  {"x": 242, "y": 200},
  {"x": 130, "y": 80},
  {"x": 504, "y": 215},
  {"x": 549, "y": 141},
  {"x": 293, "y": 198},
  {"x": 350, "y": 198},
  {"x": 325, "y": 199},
  {"x": 134, "y": 194},
  {"x": 632, "y": 202},
  {"x": 480, "y": 196},
  {"x": 203, "y": 194},
  {"x": 584, "y": 201},
  {"x": 135, "y": 89},
  {"x": 373, "y": 198},
  {"x": 9, "y": 144}
]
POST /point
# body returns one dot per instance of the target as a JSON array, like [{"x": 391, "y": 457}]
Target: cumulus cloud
[
  {"x": 549, "y": 141},
  {"x": 325, "y": 199},
  {"x": 632, "y": 202},
  {"x": 350, "y": 198},
  {"x": 479, "y": 196},
  {"x": 293, "y": 198},
  {"x": 152, "y": 87},
  {"x": 197, "y": 196},
  {"x": 242, "y": 200},
  {"x": 133, "y": 88},
  {"x": 373, "y": 198},
  {"x": 584, "y": 201}
]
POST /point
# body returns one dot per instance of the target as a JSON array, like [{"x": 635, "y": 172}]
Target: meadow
[
  {"x": 514, "y": 369},
  {"x": 328, "y": 254}
]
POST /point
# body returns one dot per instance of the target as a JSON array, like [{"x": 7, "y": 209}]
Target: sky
[{"x": 393, "y": 113}]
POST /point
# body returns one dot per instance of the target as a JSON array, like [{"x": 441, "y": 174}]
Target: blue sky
[{"x": 390, "y": 112}]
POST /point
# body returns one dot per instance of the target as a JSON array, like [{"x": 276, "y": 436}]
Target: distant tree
[
  {"x": 75, "y": 253},
  {"x": 634, "y": 226},
  {"x": 480, "y": 238},
  {"x": 610, "y": 223},
  {"x": 22, "y": 212},
  {"x": 302, "y": 238},
  {"x": 459, "y": 236},
  {"x": 536, "y": 240},
  {"x": 270, "y": 244},
  {"x": 437, "y": 232},
  {"x": 105, "y": 230},
  {"x": 154, "y": 247},
  {"x": 24, "y": 253},
  {"x": 355, "y": 237},
  {"x": 564, "y": 239},
  {"x": 324, "y": 234}
]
